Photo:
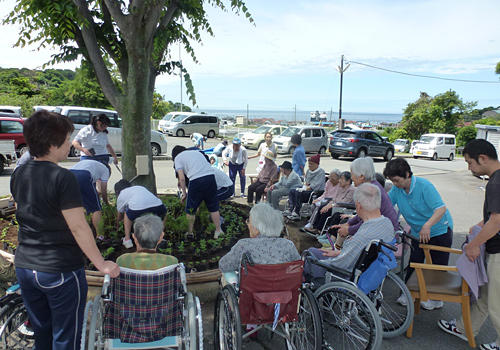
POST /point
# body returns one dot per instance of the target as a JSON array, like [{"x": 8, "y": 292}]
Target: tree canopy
[{"x": 128, "y": 44}]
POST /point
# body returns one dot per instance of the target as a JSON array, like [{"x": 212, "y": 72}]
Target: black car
[{"x": 359, "y": 143}]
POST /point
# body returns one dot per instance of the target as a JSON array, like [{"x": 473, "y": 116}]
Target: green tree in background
[
  {"x": 439, "y": 114},
  {"x": 465, "y": 134},
  {"x": 162, "y": 107},
  {"x": 136, "y": 37}
]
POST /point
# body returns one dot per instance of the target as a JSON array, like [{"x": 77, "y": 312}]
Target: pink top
[{"x": 338, "y": 194}]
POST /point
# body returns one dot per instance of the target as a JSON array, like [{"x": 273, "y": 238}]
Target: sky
[{"x": 290, "y": 56}]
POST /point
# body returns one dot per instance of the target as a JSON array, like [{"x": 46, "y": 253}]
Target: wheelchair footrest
[{"x": 174, "y": 341}]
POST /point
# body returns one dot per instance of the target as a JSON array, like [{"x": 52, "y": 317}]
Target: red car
[{"x": 11, "y": 128}]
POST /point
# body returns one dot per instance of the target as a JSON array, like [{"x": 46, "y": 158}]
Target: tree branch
[
  {"x": 117, "y": 14},
  {"x": 167, "y": 17},
  {"x": 89, "y": 37}
]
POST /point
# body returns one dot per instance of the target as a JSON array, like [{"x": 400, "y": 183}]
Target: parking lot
[{"x": 462, "y": 193}]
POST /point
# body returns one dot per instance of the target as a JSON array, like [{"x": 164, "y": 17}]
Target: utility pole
[
  {"x": 295, "y": 114},
  {"x": 180, "y": 71},
  {"x": 341, "y": 70}
]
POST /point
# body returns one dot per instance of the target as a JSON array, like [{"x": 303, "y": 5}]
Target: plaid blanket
[{"x": 144, "y": 306}]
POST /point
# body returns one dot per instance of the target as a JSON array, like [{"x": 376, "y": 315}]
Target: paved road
[{"x": 462, "y": 193}]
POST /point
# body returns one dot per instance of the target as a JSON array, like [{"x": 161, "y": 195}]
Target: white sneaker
[
  {"x": 294, "y": 216},
  {"x": 402, "y": 300},
  {"x": 286, "y": 212},
  {"x": 451, "y": 328},
  {"x": 217, "y": 234},
  {"x": 491, "y": 346},
  {"x": 127, "y": 243},
  {"x": 25, "y": 330},
  {"x": 308, "y": 226},
  {"x": 431, "y": 304}
]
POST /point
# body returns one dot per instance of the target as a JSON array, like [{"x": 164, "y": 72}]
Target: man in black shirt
[{"x": 482, "y": 159}]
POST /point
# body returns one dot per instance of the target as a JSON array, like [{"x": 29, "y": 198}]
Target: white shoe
[
  {"x": 217, "y": 234},
  {"x": 127, "y": 243},
  {"x": 294, "y": 216},
  {"x": 308, "y": 226},
  {"x": 24, "y": 330},
  {"x": 402, "y": 300},
  {"x": 451, "y": 328},
  {"x": 431, "y": 304},
  {"x": 286, "y": 212}
]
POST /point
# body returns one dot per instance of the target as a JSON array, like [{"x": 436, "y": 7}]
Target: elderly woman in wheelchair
[
  {"x": 148, "y": 305},
  {"x": 262, "y": 286},
  {"x": 355, "y": 290}
]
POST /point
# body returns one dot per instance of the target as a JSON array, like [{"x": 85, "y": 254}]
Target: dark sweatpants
[
  {"x": 258, "y": 188},
  {"x": 438, "y": 258}
]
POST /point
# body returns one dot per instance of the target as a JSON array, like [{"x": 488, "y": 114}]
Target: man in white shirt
[
  {"x": 132, "y": 202},
  {"x": 88, "y": 173},
  {"x": 202, "y": 185},
  {"x": 236, "y": 158}
]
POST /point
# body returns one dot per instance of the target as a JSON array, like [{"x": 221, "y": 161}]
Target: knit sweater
[{"x": 315, "y": 179}]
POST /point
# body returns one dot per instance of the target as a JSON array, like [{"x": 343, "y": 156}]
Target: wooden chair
[{"x": 440, "y": 282}]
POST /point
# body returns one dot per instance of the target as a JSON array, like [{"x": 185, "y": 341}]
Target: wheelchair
[
  {"x": 144, "y": 309},
  {"x": 357, "y": 319},
  {"x": 15, "y": 332},
  {"x": 270, "y": 297}
]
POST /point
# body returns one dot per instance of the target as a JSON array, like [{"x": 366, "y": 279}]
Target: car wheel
[
  {"x": 322, "y": 150},
  {"x": 211, "y": 134},
  {"x": 388, "y": 155},
  {"x": 72, "y": 152},
  {"x": 155, "y": 149},
  {"x": 291, "y": 150},
  {"x": 435, "y": 156},
  {"x": 361, "y": 153},
  {"x": 335, "y": 156},
  {"x": 179, "y": 133},
  {"x": 450, "y": 158}
]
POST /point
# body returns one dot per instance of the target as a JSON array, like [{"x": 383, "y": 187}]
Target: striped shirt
[{"x": 145, "y": 261}]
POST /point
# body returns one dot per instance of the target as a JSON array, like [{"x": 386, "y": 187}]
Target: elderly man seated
[
  {"x": 264, "y": 245},
  {"x": 148, "y": 232},
  {"x": 375, "y": 226}
]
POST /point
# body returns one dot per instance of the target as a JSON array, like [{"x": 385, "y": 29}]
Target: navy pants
[
  {"x": 55, "y": 303},
  {"x": 439, "y": 258},
  {"x": 237, "y": 169},
  {"x": 296, "y": 198}
]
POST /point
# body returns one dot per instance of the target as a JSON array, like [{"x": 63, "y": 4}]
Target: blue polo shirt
[
  {"x": 299, "y": 160},
  {"x": 419, "y": 204}
]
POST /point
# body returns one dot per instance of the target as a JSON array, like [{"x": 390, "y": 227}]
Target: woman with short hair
[
  {"x": 264, "y": 245},
  {"x": 53, "y": 236}
]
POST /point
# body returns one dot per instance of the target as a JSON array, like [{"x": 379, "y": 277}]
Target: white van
[
  {"x": 164, "y": 122},
  {"x": 81, "y": 117},
  {"x": 184, "y": 124},
  {"x": 435, "y": 146}
]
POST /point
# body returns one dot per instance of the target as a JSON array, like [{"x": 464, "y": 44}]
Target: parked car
[
  {"x": 11, "y": 128},
  {"x": 13, "y": 111},
  {"x": 165, "y": 121},
  {"x": 360, "y": 143},
  {"x": 7, "y": 153},
  {"x": 435, "y": 146},
  {"x": 186, "y": 124},
  {"x": 81, "y": 117},
  {"x": 413, "y": 143},
  {"x": 253, "y": 139},
  {"x": 314, "y": 139},
  {"x": 401, "y": 145}
]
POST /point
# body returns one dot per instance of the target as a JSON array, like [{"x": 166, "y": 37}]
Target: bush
[{"x": 466, "y": 134}]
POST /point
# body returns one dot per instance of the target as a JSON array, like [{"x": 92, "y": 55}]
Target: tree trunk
[{"x": 136, "y": 113}]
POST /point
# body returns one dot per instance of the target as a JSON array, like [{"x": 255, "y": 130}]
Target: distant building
[
  {"x": 241, "y": 120},
  {"x": 489, "y": 133},
  {"x": 491, "y": 114}
]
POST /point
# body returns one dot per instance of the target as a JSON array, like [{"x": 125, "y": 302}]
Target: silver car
[{"x": 314, "y": 139}]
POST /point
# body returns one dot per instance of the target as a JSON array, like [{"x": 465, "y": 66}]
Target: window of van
[
  {"x": 440, "y": 141},
  {"x": 276, "y": 131},
  {"x": 178, "y": 118},
  {"x": 11, "y": 127},
  {"x": 449, "y": 141},
  {"x": 290, "y": 131},
  {"x": 306, "y": 133},
  {"x": 212, "y": 120},
  {"x": 427, "y": 139},
  {"x": 79, "y": 117},
  {"x": 316, "y": 132},
  {"x": 261, "y": 129}
]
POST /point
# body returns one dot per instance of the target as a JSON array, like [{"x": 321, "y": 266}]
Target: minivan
[
  {"x": 435, "y": 146},
  {"x": 165, "y": 121},
  {"x": 81, "y": 116},
  {"x": 314, "y": 139},
  {"x": 187, "y": 123}
]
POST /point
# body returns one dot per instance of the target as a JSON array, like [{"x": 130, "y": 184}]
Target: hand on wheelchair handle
[{"x": 110, "y": 268}]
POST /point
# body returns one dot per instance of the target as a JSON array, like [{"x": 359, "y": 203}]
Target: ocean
[{"x": 303, "y": 115}]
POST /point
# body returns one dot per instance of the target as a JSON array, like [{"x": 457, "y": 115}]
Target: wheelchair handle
[
  {"x": 105, "y": 286},
  {"x": 388, "y": 246},
  {"x": 312, "y": 259},
  {"x": 405, "y": 235}
]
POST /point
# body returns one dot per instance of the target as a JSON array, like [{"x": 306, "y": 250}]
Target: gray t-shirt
[
  {"x": 378, "y": 228},
  {"x": 262, "y": 250},
  {"x": 492, "y": 205}
]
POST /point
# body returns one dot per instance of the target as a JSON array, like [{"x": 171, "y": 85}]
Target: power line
[{"x": 425, "y": 76}]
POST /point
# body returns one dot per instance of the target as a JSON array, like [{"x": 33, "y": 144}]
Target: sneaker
[
  {"x": 451, "y": 327},
  {"x": 294, "y": 216},
  {"x": 308, "y": 226},
  {"x": 402, "y": 300},
  {"x": 217, "y": 234},
  {"x": 286, "y": 212},
  {"x": 431, "y": 304},
  {"x": 242, "y": 195},
  {"x": 25, "y": 330},
  {"x": 491, "y": 346},
  {"x": 127, "y": 243}
]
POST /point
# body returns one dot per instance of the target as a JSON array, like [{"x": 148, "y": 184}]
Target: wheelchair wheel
[
  {"x": 227, "y": 325},
  {"x": 395, "y": 318},
  {"x": 306, "y": 333},
  {"x": 350, "y": 320},
  {"x": 194, "y": 323},
  {"x": 96, "y": 336},
  {"x": 14, "y": 326}
]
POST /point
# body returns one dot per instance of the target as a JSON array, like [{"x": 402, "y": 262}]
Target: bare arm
[
  {"x": 490, "y": 228},
  {"x": 104, "y": 191},
  {"x": 83, "y": 235},
  {"x": 112, "y": 152},
  {"x": 78, "y": 146},
  {"x": 182, "y": 183},
  {"x": 425, "y": 232}
]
